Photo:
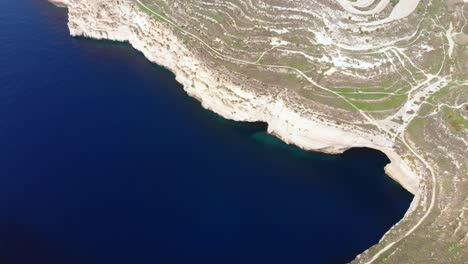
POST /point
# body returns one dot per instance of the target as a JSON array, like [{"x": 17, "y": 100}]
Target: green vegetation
[
  {"x": 394, "y": 2},
  {"x": 456, "y": 120}
]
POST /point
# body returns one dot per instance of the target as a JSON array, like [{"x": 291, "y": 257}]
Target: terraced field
[{"x": 321, "y": 52}]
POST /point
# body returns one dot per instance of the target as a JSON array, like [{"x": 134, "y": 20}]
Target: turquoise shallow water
[{"x": 105, "y": 159}]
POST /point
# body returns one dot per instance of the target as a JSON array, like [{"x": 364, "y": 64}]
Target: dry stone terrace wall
[{"x": 327, "y": 76}]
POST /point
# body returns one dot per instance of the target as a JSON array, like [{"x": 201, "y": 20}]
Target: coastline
[
  {"x": 93, "y": 19},
  {"x": 221, "y": 95}
]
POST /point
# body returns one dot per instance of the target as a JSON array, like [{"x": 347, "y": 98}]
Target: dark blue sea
[{"x": 105, "y": 159}]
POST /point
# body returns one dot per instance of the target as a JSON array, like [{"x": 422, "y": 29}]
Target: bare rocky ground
[{"x": 327, "y": 76}]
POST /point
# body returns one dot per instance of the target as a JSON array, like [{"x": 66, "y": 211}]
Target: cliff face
[{"x": 123, "y": 20}]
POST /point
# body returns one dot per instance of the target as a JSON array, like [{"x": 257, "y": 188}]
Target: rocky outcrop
[{"x": 60, "y": 3}]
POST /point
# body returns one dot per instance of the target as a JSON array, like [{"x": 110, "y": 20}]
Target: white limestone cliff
[
  {"x": 60, "y": 3},
  {"x": 122, "y": 20}
]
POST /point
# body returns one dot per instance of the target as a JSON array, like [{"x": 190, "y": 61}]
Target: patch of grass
[
  {"x": 394, "y": 2},
  {"x": 457, "y": 121},
  {"x": 160, "y": 13},
  {"x": 370, "y": 96},
  {"x": 393, "y": 103},
  {"x": 219, "y": 17}
]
